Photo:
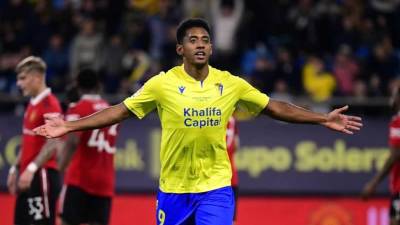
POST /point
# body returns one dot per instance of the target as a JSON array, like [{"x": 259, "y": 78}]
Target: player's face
[
  {"x": 196, "y": 47},
  {"x": 28, "y": 83}
]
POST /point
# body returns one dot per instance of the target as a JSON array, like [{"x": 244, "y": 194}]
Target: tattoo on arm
[
  {"x": 67, "y": 151},
  {"x": 46, "y": 152}
]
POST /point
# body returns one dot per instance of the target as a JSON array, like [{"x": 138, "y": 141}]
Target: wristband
[
  {"x": 12, "y": 170},
  {"x": 32, "y": 167}
]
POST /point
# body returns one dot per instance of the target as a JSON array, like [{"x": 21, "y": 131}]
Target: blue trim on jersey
[{"x": 214, "y": 207}]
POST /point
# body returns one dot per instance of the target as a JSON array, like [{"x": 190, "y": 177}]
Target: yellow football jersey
[{"x": 194, "y": 116}]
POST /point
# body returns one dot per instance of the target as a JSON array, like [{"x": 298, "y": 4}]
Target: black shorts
[
  {"x": 77, "y": 206},
  {"x": 395, "y": 207},
  {"x": 38, "y": 204},
  {"x": 235, "y": 192}
]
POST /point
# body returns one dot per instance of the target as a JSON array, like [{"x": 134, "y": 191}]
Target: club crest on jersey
[
  {"x": 181, "y": 89},
  {"x": 32, "y": 116},
  {"x": 220, "y": 88}
]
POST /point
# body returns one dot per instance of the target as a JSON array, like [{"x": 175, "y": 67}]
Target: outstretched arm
[
  {"x": 334, "y": 120},
  {"x": 56, "y": 127},
  {"x": 370, "y": 187}
]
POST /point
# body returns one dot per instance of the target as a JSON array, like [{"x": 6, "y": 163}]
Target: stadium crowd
[{"x": 316, "y": 48}]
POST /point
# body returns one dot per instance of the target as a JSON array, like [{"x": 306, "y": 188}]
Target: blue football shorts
[{"x": 214, "y": 207}]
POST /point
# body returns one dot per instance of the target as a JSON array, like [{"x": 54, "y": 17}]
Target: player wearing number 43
[
  {"x": 88, "y": 157},
  {"x": 194, "y": 102}
]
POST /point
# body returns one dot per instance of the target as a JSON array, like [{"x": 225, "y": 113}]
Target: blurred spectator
[
  {"x": 387, "y": 6},
  {"x": 149, "y": 6},
  {"x": 383, "y": 68},
  {"x": 226, "y": 16},
  {"x": 167, "y": 16},
  {"x": 41, "y": 25},
  {"x": 263, "y": 20},
  {"x": 86, "y": 49},
  {"x": 170, "y": 58},
  {"x": 92, "y": 9},
  {"x": 136, "y": 31},
  {"x": 66, "y": 21},
  {"x": 112, "y": 64},
  {"x": 250, "y": 56},
  {"x": 346, "y": 70},
  {"x": 114, "y": 13},
  {"x": 360, "y": 91},
  {"x": 327, "y": 18},
  {"x": 381, "y": 25},
  {"x": 347, "y": 33},
  {"x": 196, "y": 8},
  {"x": 257, "y": 67},
  {"x": 56, "y": 56},
  {"x": 367, "y": 37},
  {"x": 287, "y": 71},
  {"x": 281, "y": 91},
  {"x": 302, "y": 23},
  {"x": 137, "y": 64},
  {"x": 14, "y": 28},
  {"x": 318, "y": 83}
]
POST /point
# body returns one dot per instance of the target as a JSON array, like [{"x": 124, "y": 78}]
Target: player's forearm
[
  {"x": 385, "y": 170},
  {"x": 291, "y": 113},
  {"x": 67, "y": 151},
  {"x": 103, "y": 118},
  {"x": 46, "y": 152},
  {"x": 238, "y": 9}
]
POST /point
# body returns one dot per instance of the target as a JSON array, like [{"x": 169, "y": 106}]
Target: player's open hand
[
  {"x": 53, "y": 127},
  {"x": 343, "y": 123}
]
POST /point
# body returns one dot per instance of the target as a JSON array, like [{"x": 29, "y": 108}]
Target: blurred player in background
[
  {"x": 89, "y": 159},
  {"x": 72, "y": 96},
  {"x": 232, "y": 144},
  {"x": 194, "y": 103},
  {"x": 392, "y": 164},
  {"x": 37, "y": 187}
]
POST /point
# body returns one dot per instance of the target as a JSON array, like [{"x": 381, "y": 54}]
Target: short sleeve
[
  {"x": 144, "y": 100},
  {"x": 251, "y": 99}
]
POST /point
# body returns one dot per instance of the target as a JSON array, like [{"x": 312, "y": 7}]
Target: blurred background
[{"x": 319, "y": 54}]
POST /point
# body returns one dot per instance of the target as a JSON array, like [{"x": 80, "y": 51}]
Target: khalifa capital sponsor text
[{"x": 199, "y": 118}]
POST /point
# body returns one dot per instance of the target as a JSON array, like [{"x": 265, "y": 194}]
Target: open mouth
[{"x": 200, "y": 55}]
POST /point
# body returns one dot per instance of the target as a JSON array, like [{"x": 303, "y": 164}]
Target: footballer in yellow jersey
[
  {"x": 194, "y": 115},
  {"x": 194, "y": 102}
]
